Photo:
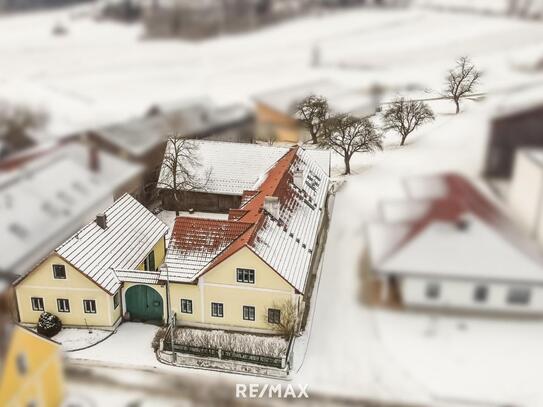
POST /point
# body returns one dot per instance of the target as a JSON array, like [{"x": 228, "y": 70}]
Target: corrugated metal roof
[
  {"x": 130, "y": 235},
  {"x": 247, "y": 164},
  {"x": 138, "y": 276}
]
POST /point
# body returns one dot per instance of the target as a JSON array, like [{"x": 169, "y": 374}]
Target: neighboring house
[
  {"x": 514, "y": 127},
  {"x": 32, "y": 372},
  {"x": 83, "y": 279},
  {"x": 275, "y": 110},
  {"x": 42, "y": 202},
  {"x": 226, "y": 170},
  {"x": 143, "y": 139},
  {"x": 239, "y": 273},
  {"x": 526, "y": 192},
  {"x": 449, "y": 247}
]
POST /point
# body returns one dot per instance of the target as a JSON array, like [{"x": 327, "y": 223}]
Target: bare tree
[
  {"x": 181, "y": 169},
  {"x": 16, "y": 121},
  {"x": 461, "y": 81},
  {"x": 313, "y": 112},
  {"x": 346, "y": 135},
  {"x": 405, "y": 116},
  {"x": 288, "y": 318}
]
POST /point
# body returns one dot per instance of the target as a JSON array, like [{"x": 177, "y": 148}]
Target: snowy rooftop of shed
[{"x": 237, "y": 167}]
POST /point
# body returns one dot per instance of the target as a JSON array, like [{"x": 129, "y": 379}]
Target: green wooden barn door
[{"x": 144, "y": 303}]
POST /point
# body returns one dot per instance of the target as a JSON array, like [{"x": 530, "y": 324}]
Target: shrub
[{"x": 49, "y": 325}]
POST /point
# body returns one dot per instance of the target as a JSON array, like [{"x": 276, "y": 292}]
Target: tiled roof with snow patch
[
  {"x": 131, "y": 233},
  {"x": 195, "y": 243}
]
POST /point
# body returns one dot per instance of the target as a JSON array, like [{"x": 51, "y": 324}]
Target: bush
[{"x": 49, "y": 325}]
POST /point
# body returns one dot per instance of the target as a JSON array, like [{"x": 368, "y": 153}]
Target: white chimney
[
  {"x": 101, "y": 220},
  {"x": 272, "y": 206},
  {"x": 298, "y": 178}
]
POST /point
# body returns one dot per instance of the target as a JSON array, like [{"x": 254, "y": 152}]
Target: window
[
  {"x": 186, "y": 306},
  {"x": 150, "y": 262},
  {"x": 37, "y": 303},
  {"x": 89, "y": 306},
  {"x": 116, "y": 299},
  {"x": 22, "y": 364},
  {"x": 63, "y": 305},
  {"x": 432, "y": 291},
  {"x": 217, "y": 310},
  {"x": 480, "y": 294},
  {"x": 274, "y": 316},
  {"x": 248, "y": 313},
  {"x": 59, "y": 271},
  {"x": 519, "y": 296},
  {"x": 245, "y": 276}
]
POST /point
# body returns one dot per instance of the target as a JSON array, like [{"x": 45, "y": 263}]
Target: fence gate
[{"x": 144, "y": 303}]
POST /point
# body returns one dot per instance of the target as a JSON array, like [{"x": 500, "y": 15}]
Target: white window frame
[
  {"x": 249, "y": 313},
  {"x": 246, "y": 276},
  {"x": 188, "y": 306},
  {"x": 39, "y": 302},
  {"x": 63, "y": 305},
  {"x": 54, "y": 271},
  {"x": 274, "y": 311},
  {"x": 217, "y": 309},
  {"x": 89, "y": 306}
]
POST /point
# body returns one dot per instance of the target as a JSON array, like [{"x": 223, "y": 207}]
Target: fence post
[
  {"x": 220, "y": 353},
  {"x": 161, "y": 344}
]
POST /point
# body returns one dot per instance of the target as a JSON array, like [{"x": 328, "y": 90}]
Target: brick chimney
[
  {"x": 101, "y": 220},
  {"x": 272, "y": 206}
]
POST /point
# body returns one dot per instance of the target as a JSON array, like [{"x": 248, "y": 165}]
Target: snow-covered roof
[
  {"x": 138, "y": 276},
  {"x": 195, "y": 243},
  {"x": 475, "y": 250},
  {"x": 131, "y": 233},
  {"x": 142, "y": 134},
  {"x": 284, "y": 240},
  {"x": 231, "y": 168},
  {"x": 340, "y": 99},
  {"x": 455, "y": 233},
  {"x": 42, "y": 202},
  {"x": 287, "y": 242}
]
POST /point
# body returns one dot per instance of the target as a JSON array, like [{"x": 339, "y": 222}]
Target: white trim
[
  {"x": 246, "y": 287},
  {"x": 201, "y": 283},
  {"x": 62, "y": 288}
]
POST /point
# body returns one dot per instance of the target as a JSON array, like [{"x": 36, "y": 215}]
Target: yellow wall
[
  {"x": 285, "y": 127},
  {"x": 220, "y": 285},
  {"x": 160, "y": 253},
  {"x": 76, "y": 288},
  {"x": 43, "y": 383}
]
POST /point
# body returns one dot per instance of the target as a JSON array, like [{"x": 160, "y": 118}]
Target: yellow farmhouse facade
[{"x": 234, "y": 274}]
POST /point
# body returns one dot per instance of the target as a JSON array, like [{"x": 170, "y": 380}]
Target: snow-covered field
[{"x": 102, "y": 72}]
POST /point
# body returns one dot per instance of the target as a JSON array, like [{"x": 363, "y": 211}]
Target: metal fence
[{"x": 269, "y": 361}]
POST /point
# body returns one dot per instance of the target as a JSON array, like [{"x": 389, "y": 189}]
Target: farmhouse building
[
  {"x": 143, "y": 139},
  {"x": 233, "y": 274},
  {"x": 221, "y": 182},
  {"x": 275, "y": 110},
  {"x": 81, "y": 280},
  {"x": 448, "y": 246},
  {"x": 513, "y": 127}
]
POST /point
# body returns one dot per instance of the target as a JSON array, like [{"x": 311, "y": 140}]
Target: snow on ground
[
  {"x": 361, "y": 351},
  {"x": 103, "y": 72},
  {"x": 75, "y": 338}
]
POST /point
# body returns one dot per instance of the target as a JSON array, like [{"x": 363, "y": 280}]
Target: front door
[{"x": 144, "y": 303}]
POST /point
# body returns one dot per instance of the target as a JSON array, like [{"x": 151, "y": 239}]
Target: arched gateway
[{"x": 144, "y": 303}]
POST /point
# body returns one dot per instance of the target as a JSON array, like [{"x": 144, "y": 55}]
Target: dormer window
[
  {"x": 245, "y": 276},
  {"x": 59, "y": 271}
]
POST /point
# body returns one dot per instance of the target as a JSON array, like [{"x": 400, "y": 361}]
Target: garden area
[{"x": 264, "y": 350}]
